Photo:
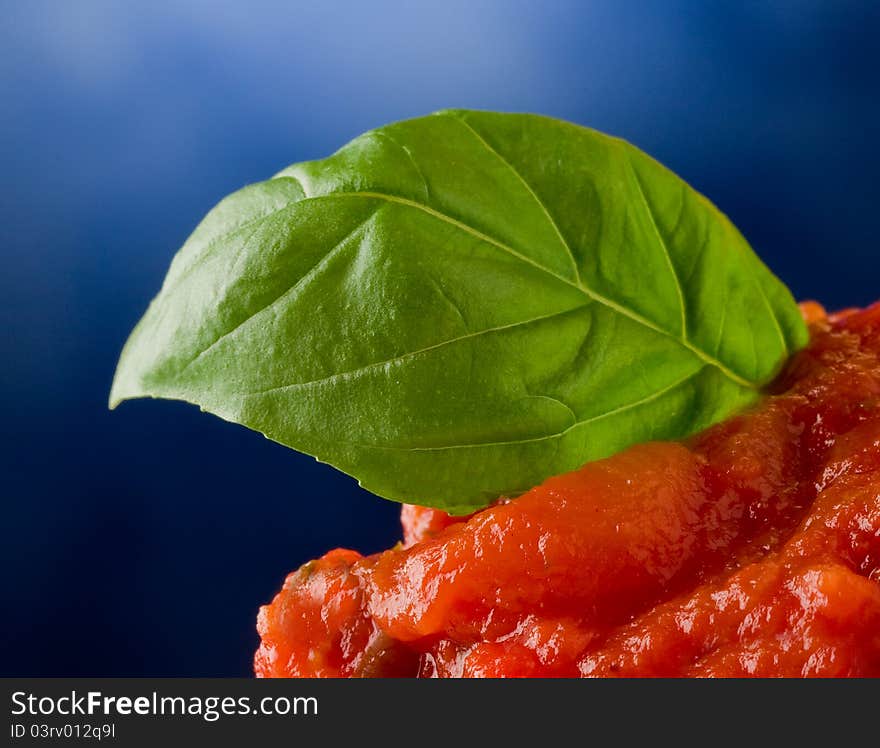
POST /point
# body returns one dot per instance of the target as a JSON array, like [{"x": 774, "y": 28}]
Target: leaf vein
[
  {"x": 412, "y": 160},
  {"x": 305, "y": 278},
  {"x": 203, "y": 252},
  {"x": 556, "y": 435},
  {"x": 528, "y": 187},
  {"x": 660, "y": 240},
  {"x": 342, "y": 375}
]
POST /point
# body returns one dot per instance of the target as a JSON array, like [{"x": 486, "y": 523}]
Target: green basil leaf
[{"x": 455, "y": 307}]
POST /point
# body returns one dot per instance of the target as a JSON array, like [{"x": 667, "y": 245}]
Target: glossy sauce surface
[{"x": 750, "y": 549}]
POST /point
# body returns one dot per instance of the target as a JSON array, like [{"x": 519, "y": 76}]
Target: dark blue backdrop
[{"x": 142, "y": 541}]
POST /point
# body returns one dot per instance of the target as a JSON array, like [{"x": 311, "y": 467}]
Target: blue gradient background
[{"x": 142, "y": 541}]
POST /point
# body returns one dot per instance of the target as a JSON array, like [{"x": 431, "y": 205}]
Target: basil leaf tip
[{"x": 455, "y": 307}]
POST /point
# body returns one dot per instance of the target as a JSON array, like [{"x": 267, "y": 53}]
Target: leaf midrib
[{"x": 582, "y": 287}]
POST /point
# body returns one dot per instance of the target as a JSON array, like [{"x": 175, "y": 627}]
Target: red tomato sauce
[{"x": 751, "y": 549}]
